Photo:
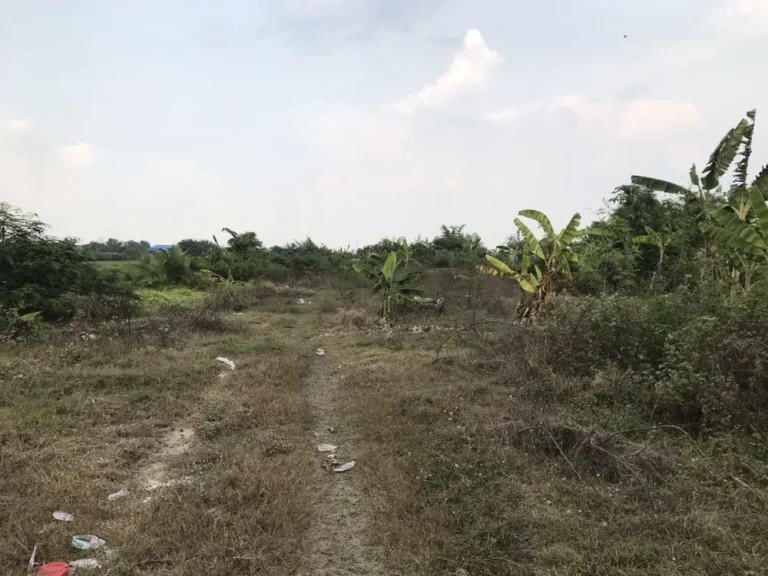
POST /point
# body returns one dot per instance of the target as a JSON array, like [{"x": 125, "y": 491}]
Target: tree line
[{"x": 654, "y": 235}]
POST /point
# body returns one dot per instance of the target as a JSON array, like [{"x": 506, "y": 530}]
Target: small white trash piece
[
  {"x": 85, "y": 564},
  {"x": 63, "y": 516},
  {"x": 344, "y": 467},
  {"x": 320, "y": 352},
  {"x": 326, "y": 448},
  {"x": 31, "y": 564},
  {"x": 87, "y": 542},
  {"x": 118, "y": 495},
  {"x": 226, "y": 361}
]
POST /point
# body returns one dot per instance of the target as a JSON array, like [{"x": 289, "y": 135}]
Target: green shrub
[
  {"x": 152, "y": 298},
  {"x": 699, "y": 357}
]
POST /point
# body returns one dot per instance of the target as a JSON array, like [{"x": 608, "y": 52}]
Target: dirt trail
[
  {"x": 337, "y": 537},
  {"x": 174, "y": 443}
]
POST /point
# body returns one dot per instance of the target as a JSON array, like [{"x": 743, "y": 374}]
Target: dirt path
[
  {"x": 337, "y": 536},
  {"x": 175, "y": 443}
]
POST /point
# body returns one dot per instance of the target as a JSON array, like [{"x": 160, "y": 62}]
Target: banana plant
[
  {"x": 736, "y": 142},
  {"x": 553, "y": 258},
  {"x": 701, "y": 188},
  {"x": 406, "y": 251},
  {"x": 395, "y": 288},
  {"x": 652, "y": 238},
  {"x": 744, "y": 240},
  {"x": 748, "y": 237}
]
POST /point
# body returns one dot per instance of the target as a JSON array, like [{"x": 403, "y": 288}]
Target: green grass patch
[
  {"x": 154, "y": 298},
  {"x": 121, "y": 265}
]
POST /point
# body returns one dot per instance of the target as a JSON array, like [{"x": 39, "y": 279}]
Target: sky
[{"x": 353, "y": 120}]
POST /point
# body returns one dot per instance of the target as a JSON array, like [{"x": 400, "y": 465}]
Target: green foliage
[
  {"x": 454, "y": 239},
  {"x": 171, "y": 267},
  {"x": 543, "y": 261},
  {"x": 406, "y": 252},
  {"x": 156, "y": 298},
  {"x": 695, "y": 357},
  {"x": 652, "y": 238},
  {"x": 194, "y": 247},
  {"x": 394, "y": 287},
  {"x": 725, "y": 153},
  {"x": 614, "y": 261},
  {"x": 661, "y": 185},
  {"x": 726, "y": 225},
  {"x": 307, "y": 258},
  {"x": 48, "y": 278},
  {"x": 244, "y": 257},
  {"x": 115, "y": 250},
  {"x": 728, "y": 230}
]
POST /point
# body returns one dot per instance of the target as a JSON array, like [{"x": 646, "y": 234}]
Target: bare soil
[{"x": 337, "y": 538}]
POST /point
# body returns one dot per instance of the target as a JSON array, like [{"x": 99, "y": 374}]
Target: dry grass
[
  {"x": 80, "y": 418},
  {"x": 467, "y": 471},
  {"x": 467, "y": 460}
]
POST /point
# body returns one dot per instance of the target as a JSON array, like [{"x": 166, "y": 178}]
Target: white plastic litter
[
  {"x": 87, "y": 542},
  {"x": 153, "y": 485},
  {"x": 344, "y": 467},
  {"x": 63, "y": 516},
  {"x": 302, "y": 301},
  {"x": 320, "y": 352},
  {"x": 85, "y": 564},
  {"x": 226, "y": 361},
  {"x": 31, "y": 564},
  {"x": 326, "y": 448},
  {"x": 118, "y": 495}
]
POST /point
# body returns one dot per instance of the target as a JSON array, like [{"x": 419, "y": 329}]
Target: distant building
[{"x": 159, "y": 247}]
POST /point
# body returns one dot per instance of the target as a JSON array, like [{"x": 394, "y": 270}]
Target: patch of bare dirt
[
  {"x": 337, "y": 538},
  {"x": 175, "y": 443}
]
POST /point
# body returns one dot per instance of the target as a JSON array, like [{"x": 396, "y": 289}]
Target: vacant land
[{"x": 462, "y": 461}]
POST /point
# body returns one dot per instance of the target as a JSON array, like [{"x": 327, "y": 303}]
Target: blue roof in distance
[{"x": 158, "y": 247}]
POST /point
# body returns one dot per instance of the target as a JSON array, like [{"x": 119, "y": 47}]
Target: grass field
[
  {"x": 155, "y": 298},
  {"x": 459, "y": 465},
  {"x": 122, "y": 265}
]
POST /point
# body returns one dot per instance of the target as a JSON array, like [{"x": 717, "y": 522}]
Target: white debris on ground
[
  {"x": 118, "y": 495},
  {"x": 226, "y": 361},
  {"x": 85, "y": 564},
  {"x": 344, "y": 467},
  {"x": 87, "y": 542}
]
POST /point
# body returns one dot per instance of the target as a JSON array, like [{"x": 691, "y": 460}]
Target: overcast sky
[{"x": 352, "y": 120}]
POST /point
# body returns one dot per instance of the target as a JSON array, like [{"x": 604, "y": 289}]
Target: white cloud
[
  {"x": 579, "y": 104},
  {"x": 742, "y": 18},
  {"x": 648, "y": 119},
  {"x": 644, "y": 119},
  {"x": 507, "y": 115},
  {"x": 469, "y": 68},
  {"x": 18, "y": 124},
  {"x": 583, "y": 106},
  {"x": 78, "y": 155}
]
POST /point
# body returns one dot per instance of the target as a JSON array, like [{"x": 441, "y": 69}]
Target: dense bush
[
  {"x": 697, "y": 356},
  {"x": 49, "y": 278}
]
